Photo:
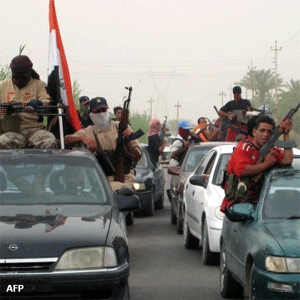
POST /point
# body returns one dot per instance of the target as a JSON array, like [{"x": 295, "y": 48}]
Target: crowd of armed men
[{"x": 237, "y": 121}]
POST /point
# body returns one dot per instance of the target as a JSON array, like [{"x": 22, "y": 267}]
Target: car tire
[
  {"x": 149, "y": 209},
  {"x": 190, "y": 241},
  {"x": 250, "y": 289},
  {"x": 208, "y": 257},
  {"x": 173, "y": 217},
  {"x": 129, "y": 218},
  {"x": 229, "y": 288},
  {"x": 160, "y": 203}
]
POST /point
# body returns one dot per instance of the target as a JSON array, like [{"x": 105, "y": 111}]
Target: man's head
[
  {"x": 84, "y": 100},
  {"x": 237, "y": 91},
  {"x": 118, "y": 112},
  {"x": 21, "y": 70},
  {"x": 73, "y": 177},
  {"x": 98, "y": 105},
  {"x": 262, "y": 130},
  {"x": 202, "y": 122},
  {"x": 184, "y": 129}
]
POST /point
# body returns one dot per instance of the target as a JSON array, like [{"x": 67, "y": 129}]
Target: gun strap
[{"x": 102, "y": 152}]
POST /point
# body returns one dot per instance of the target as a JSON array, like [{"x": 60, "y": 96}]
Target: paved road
[{"x": 161, "y": 268}]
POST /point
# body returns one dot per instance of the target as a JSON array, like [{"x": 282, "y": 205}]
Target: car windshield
[
  {"x": 193, "y": 159},
  {"x": 220, "y": 169},
  {"x": 143, "y": 162},
  {"x": 58, "y": 181},
  {"x": 282, "y": 199}
]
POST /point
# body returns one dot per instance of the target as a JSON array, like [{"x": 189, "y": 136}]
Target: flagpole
[{"x": 61, "y": 128}]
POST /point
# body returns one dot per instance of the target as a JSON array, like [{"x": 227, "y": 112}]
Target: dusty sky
[{"x": 170, "y": 51}]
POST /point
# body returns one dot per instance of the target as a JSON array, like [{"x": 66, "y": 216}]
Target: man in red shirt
[{"x": 246, "y": 166}]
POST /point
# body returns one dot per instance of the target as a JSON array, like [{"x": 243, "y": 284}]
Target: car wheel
[
  {"x": 190, "y": 241},
  {"x": 173, "y": 217},
  {"x": 160, "y": 203},
  {"x": 149, "y": 209},
  {"x": 250, "y": 289},
  {"x": 130, "y": 218},
  {"x": 228, "y": 286},
  {"x": 208, "y": 257}
]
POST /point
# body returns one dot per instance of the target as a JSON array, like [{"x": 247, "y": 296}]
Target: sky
[{"x": 179, "y": 56}]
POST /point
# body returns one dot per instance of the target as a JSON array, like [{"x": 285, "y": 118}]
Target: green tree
[
  {"x": 263, "y": 84},
  {"x": 288, "y": 99},
  {"x": 76, "y": 91},
  {"x": 140, "y": 121},
  {"x": 5, "y": 73}
]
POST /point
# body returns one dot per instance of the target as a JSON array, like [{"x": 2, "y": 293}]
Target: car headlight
[
  {"x": 218, "y": 214},
  {"x": 282, "y": 264},
  {"x": 139, "y": 186},
  {"x": 87, "y": 258}
]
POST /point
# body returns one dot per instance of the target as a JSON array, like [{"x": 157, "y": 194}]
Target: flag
[{"x": 59, "y": 82}]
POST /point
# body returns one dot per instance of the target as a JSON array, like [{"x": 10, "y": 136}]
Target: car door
[
  {"x": 202, "y": 194},
  {"x": 191, "y": 196}
]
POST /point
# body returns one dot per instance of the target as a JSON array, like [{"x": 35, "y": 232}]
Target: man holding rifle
[
  {"x": 235, "y": 110},
  {"x": 26, "y": 89},
  {"x": 101, "y": 138},
  {"x": 246, "y": 165}
]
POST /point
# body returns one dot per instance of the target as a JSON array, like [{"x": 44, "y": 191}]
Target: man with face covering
[
  {"x": 102, "y": 138},
  {"x": 26, "y": 89}
]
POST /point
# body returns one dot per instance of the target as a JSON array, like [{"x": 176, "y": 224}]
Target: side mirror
[
  {"x": 127, "y": 200},
  {"x": 240, "y": 212},
  {"x": 175, "y": 170},
  {"x": 200, "y": 180}
]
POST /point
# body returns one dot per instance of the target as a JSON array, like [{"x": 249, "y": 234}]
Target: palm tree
[
  {"x": 288, "y": 99},
  {"x": 76, "y": 91},
  {"x": 262, "y": 83}
]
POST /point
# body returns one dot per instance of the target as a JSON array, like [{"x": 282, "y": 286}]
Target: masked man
[
  {"x": 25, "y": 89},
  {"x": 101, "y": 138}
]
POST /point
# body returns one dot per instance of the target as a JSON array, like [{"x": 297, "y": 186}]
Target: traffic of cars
[{"x": 63, "y": 231}]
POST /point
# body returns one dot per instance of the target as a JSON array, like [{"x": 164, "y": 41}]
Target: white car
[{"x": 203, "y": 196}]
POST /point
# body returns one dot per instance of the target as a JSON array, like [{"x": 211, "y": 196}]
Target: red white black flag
[{"x": 59, "y": 82}]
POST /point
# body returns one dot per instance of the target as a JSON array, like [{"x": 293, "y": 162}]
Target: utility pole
[
  {"x": 276, "y": 81},
  {"x": 223, "y": 95},
  {"x": 150, "y": 101},
  {"x": 178, "y": 106},
  {"x": 251, "y": 72}
]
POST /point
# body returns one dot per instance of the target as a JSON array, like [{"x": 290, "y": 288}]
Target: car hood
[
  {"x": 287, "y": 234},
  {"x": 46, "y": 231}
]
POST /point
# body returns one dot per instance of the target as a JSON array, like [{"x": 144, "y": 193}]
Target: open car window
[{"x": 64, "y": 181}]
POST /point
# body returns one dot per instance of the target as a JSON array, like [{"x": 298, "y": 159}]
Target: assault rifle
[
  {"x": 162, "y": 135},
  {"x": 121, "y": 141}
]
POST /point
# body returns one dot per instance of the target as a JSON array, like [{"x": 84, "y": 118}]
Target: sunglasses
[{"x": 99, "y": 110}]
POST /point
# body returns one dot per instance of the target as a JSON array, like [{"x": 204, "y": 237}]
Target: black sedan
[
  {"x": 62, "y": 233},
  {"x": 149, "y": 183}
]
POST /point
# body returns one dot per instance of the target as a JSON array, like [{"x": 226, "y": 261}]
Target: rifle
[
  {"x": 162, "y": 135},
  {"x": 121, "y": 141}
]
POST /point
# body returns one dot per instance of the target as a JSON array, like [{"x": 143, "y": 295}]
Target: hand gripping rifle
[{"x": 121, "y": 141}]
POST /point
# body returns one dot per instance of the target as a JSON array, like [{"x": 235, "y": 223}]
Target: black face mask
[{"x": 21, "y": 79}]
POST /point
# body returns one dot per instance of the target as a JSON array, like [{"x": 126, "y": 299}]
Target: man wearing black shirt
[{"x": 235, "y": 110}]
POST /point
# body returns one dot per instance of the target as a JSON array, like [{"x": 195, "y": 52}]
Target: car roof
[
  {"x": 210, "y": 144},
  {"x": 74, "y": 153}
]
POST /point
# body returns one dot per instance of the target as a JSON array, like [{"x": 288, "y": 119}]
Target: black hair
[
  {"x": 263, "y": 119},
  {"x": 237, "y": 89},
  {"x": 116, "y": 108},
  {"x": 200, "y": 119}
]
